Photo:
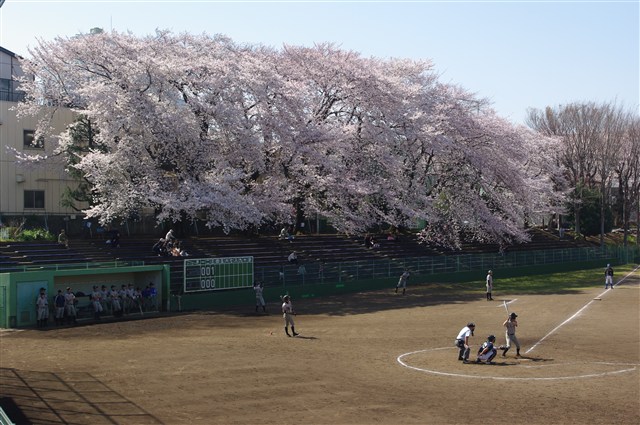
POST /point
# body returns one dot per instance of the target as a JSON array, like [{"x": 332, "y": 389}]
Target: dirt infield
[{"x": 369, "y": 358}]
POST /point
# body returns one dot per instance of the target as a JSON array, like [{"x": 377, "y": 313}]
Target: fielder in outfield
[
  {"x": 489, "y": 285},
  {"x": 608, "y": 277},
  {"x": 287, "y": 315},
  {"x": 402, "y": 282}
]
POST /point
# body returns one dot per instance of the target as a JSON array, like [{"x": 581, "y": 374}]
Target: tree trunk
[{"x": 603, "y": 196}]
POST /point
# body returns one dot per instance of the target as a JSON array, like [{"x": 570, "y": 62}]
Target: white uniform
[
  {"x": 259, "y": 298},
  {"x": 70, "y": 304},
  {"x": 96, "y": 300},
  {"x": 287, "y": 313},
  {"x": 43, "y": 307}
]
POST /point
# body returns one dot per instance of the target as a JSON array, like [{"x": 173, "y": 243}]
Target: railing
[
  {"x": 350, "y": 271},
  {"x": 72, "y": 266}
]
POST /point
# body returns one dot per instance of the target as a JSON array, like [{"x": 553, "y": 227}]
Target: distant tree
[
  {"x": 610, "y": 137},
  {"x": 627, "y": 172},
  {"x": 591, "y": 136}
]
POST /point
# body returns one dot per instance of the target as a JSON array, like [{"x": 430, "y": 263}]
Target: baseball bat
[{"x": 506, "y": 307}]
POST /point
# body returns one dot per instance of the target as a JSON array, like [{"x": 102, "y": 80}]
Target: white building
[{"x": 33, "y": 192}]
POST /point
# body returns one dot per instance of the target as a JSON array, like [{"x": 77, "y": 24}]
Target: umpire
[{"x": 462, "y": 342}]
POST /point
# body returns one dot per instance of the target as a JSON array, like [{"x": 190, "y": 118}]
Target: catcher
[
  {"x": 487, "y": 351},
  {"x": 287, "y": 314}
]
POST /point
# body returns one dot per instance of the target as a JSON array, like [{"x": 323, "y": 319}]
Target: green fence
[{"x": 313, "y": 273}]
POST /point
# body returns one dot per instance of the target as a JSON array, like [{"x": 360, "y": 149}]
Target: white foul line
[{"x": 578, "y": 312}]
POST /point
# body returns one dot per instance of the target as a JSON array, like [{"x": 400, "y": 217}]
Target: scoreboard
[{"x": 210, "y": 274}]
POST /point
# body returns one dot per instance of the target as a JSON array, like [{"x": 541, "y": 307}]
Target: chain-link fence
[{"x": 350, "y": 271}]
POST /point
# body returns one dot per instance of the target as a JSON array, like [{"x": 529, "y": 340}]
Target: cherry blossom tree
[{"x": 239, "y": 135}]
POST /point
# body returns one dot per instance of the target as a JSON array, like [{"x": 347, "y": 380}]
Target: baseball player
[
  {"x": 42, "y": 305},
  {"x": 462, "y": 342},
  {"x": 402, "y": 282},
  {"x": 259, "y": 288},
  {"x": 287, "y": 314},
  {"x": 487, "y": 351},
  {"x": 116, "y": 306},
  {"x": 489, "y": 285},
  {"x": 608, "y": 277},
  {"x": 70, "y": 305},
  {"x": 510, "y": 335},
  {"x": 58, "y": 302},
  {"x": 96, "y": 301}
]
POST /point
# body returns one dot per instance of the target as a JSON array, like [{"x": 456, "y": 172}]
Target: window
[
  {"x": 34, "y": 199},
  {"x": 30, "y": 141}
]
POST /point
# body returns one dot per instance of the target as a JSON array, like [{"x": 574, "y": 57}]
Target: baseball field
[{"x": 367, "y": 358}]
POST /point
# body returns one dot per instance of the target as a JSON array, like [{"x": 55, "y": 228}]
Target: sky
[{"x": 518, "y": 54}]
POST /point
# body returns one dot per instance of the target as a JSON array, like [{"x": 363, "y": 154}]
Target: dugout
[{"x": 19, "y": 290}]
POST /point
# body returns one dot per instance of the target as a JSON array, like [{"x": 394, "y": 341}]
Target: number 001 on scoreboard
[{"x": 208, "y": 274}]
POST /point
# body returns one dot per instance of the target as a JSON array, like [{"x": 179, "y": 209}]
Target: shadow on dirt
[{"x": 65, "y": 398}]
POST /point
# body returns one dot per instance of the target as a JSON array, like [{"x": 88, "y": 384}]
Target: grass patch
[{"x": 547, "y": 283}]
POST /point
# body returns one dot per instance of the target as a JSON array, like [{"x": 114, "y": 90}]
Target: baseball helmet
[
  {"x": 491, "y": 338},
  {"x": 286, "y": 297},
  {"x": 513, "y": 315},
  {"x": 471, "y": 325}
]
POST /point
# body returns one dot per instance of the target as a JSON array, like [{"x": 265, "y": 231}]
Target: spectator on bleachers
[
  {"x": 367, "y": 241},
  {"x": 374, "y": 243},
  {"x": 293, "y": 258},
  {"x": 302, "y": 270},
  {"x": 170, "y": 237},
  {"x": 114, "y": 239},
  {"x": 159, "y": 248},
  {"x": 63, "y": 239},
  {"x": 285, "y": 235}
]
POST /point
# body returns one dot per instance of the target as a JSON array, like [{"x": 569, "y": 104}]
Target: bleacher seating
[{"x": 267, "y": 251}]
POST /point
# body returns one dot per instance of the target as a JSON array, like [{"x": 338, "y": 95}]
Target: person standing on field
[
  {"x": 70, "y": 306},
  {"x": 96, "y": 301},
  {"x": 59, "y": 302},
  {"x": 510, "y": 335},
  {"x": 402, "y": 282},
  {"x": 462, "y": 342},
  {"x": 608, "y": 277},
  {"x": 489, "y": 285},
  {"x": 42, "y": 305},
  {"x": 287, "y": 314},
  {"x": 259, "y": 288}
]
